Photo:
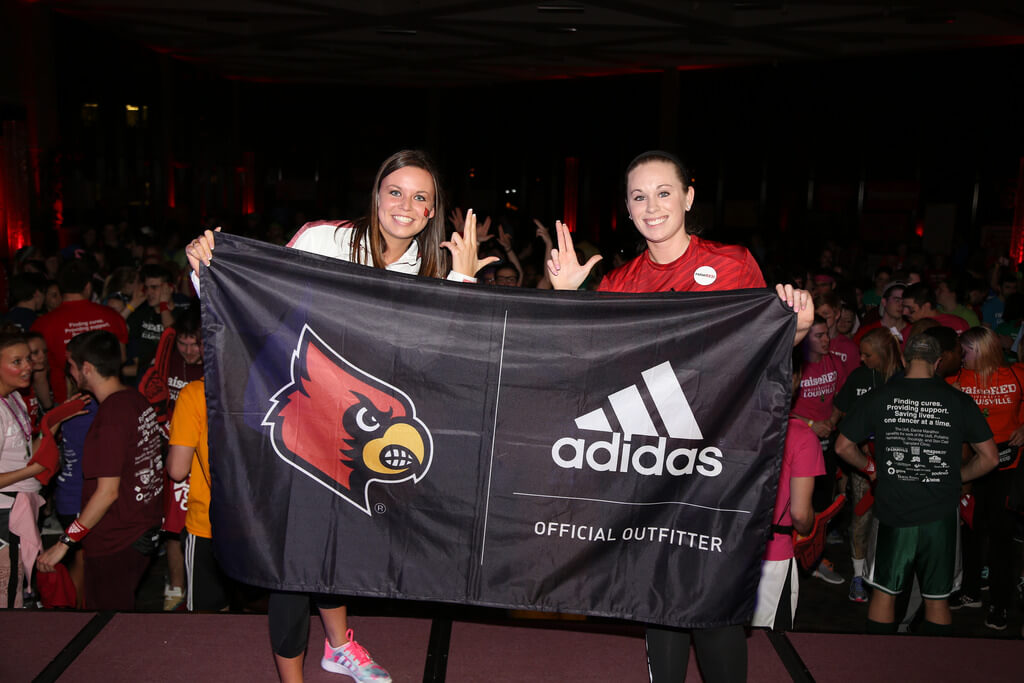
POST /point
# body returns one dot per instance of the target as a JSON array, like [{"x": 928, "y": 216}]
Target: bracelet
[
  {"x": 131, "y": 309},
  {"x": 76, "y": 531},
  {"x": 810, "y": 423}
]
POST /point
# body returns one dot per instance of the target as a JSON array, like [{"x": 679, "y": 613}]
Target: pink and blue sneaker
[{"x": 353, "y": 660}]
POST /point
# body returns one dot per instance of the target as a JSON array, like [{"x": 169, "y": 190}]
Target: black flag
[{"x": 386, "y": 435}]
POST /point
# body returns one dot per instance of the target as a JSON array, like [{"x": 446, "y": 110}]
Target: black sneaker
[
  {"x": 996, "y": 619},
  {"x": 961, "y": 599}
]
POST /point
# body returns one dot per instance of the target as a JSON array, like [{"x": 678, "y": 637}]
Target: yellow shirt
[{"x": 188, "y": 428}]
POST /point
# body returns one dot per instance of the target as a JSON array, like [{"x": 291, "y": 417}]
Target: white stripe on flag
[
  {"x": 633, "y": 417},
  {"x": 671, "y": 402},
  {"x": 595, "y": 420}
]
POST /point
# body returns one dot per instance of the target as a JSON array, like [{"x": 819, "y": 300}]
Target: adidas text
[{"x": 648, "y": 459}]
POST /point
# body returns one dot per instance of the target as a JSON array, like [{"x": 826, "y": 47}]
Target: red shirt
[
  {"x": 124, "y": 441},
  {"x": 818, "y": 387},
  {"x": 67, "y": 320},
  {"x": 1001, "y": 400},
  {"x": 846, "y": 352},
  {"x": 703, "y": 267},
  {"x": 954, "y": 321}
]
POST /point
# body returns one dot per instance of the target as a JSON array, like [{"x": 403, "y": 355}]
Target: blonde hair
[
  {"x": 884, "y": 345},
  {"x": 988, "y": 352}
]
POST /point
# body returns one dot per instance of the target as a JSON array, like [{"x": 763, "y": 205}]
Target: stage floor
[{"x": 192, "y": 648}]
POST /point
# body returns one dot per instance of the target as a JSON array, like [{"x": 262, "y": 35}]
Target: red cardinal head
[{"x": 344, "y": 427}]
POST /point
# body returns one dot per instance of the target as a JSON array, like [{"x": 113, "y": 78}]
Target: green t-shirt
[{"x": 920, "y": 426}]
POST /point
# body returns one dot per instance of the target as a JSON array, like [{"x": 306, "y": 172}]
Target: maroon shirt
[{"x": 124, "y": 441}]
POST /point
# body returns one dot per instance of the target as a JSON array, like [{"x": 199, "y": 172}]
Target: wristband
[
  {"x": 164, "y": 306},
  {"x": 131, "y": 309},
  {"x": 76, "y": 531}
]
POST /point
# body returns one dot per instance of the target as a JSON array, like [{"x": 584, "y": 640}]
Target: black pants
[
  {"x": 14, "y": 552},
  {"x": 288, "y": 614},
  {"x": 994, "y": 525},
  {"x": 721, "y": 653}
]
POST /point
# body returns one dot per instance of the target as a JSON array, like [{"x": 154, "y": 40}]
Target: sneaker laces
[{"x": 355, "y": 650}]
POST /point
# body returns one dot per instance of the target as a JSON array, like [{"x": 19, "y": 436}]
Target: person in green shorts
[{"x": 920, "y": 424}]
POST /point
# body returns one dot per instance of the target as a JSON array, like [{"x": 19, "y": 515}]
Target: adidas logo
[{"x": 629, "y": 410}]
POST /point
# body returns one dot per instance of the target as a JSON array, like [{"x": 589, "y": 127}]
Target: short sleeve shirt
[
  {"x": 68, "y": 320},
  {"x": 920, "y": 426},
  {"x": 124, "y": 441},
  {"x": 188, "y": 428},
  {"x": 703, "y": 267},
  {"x": 801, "y": 458}
]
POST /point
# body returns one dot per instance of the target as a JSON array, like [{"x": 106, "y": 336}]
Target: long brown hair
[{"x": 367, "y": 236}]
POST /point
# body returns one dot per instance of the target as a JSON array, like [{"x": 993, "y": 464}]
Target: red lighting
[
  {"x": 919, "y": 229},
  {"x": 1017, "y": 239},
  {"x": 572, "y": 171},
  {"x": 170, "y": 184},
  {"x": 247, "y": 180}
]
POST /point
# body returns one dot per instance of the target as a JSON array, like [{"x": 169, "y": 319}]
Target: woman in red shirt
[{"x": 998, "y": 390}]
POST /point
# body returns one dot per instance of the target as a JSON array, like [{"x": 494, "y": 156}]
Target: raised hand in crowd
[
  {"x": 463, "y": 247},
  {"x": 505, "y": 240},
  {"x": 564, "y": 268}
]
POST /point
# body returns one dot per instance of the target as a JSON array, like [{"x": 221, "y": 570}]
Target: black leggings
[
  {"x": 288, "y": 614},
  {"x": 721, "y": 653}
]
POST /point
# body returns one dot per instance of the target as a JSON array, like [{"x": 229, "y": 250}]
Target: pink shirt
[
  {"x": 846, "y": 352},
  {"x": 818, "y": 387},
  {"x": 802, "y": 458}
]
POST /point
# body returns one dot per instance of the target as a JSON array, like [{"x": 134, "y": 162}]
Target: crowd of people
[{"x": 906, "y": 399}]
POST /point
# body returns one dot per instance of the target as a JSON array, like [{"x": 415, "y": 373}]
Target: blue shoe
[{"x": 858, "y": 591}]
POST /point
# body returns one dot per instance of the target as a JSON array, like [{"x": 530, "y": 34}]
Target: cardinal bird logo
[{"x": 345, "y": 428}]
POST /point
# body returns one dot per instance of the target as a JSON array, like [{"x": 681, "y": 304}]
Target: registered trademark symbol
[{"x": 380, "y": 508}]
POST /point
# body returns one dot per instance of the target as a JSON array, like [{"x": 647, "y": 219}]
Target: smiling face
[
  {"x": 405, "y": 204},
  {"x": 15, "y": 368},
  {"x": 657, "y": 202}
]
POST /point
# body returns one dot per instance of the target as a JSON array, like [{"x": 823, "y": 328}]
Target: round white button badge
[{"x": 705, "y": 275}]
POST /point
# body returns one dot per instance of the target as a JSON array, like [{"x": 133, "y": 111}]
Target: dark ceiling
[{"x": 448, "y": 42}]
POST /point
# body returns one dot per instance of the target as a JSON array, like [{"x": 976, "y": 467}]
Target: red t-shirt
[
  {"x": 846, "y": 352},
  {"x": 874, "y": 325},
  {"x": 67, "y": 320},
  {"x": 818, "y": 387},
  {"x": 124, "y": 441},
  {"x": 703, "y": 267},
  {"x": 801, "y": 458},
  {"x": 954, "y": 321}
]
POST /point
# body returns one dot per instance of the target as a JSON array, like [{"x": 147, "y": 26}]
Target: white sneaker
[
  {"x": 173, "y": 597},
  {"x": 353, "y": 660}
]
